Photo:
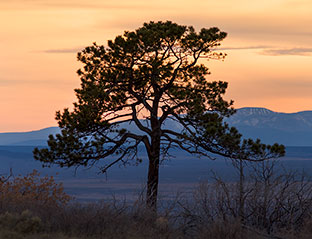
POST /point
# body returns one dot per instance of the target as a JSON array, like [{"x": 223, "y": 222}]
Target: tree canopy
[{"x": 147, "y": 78}]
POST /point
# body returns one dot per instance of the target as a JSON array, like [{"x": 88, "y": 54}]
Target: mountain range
[{"x": 290, "y": 129}]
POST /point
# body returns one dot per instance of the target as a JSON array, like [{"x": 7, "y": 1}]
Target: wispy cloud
[
  {"x": 288, "y": 51},
  {"x": 271, "y": 51},
  {"x": 64, "y": 50},
  {"x": 244, "y": 47},
  {"x": 18, "y": 82},
  {"x": 78, "y": 4},
  {"x": 6, "y": 82}
]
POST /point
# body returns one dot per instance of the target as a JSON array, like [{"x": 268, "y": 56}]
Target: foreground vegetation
[{"x": 266, "y": 202}]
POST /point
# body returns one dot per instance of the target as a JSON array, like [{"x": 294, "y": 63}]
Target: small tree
[{"x": 152, "y": 73}]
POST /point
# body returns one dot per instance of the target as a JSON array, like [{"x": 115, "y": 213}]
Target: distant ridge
[
  {"x": 290, "y": 129},
  {"x": 261, "y": 110},
  {"x": 255, "y": 111},
  {"x": 31, "y": 138}
]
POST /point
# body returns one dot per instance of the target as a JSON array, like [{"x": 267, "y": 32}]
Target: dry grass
[
  {"x": 119, "y": 221},
  {"x": 214, "y": 213}
]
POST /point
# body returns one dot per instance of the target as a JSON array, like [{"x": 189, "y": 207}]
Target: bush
[
  {"x": 23, "y": 223},
  {"x": 31, "y": 191},
  {"x": 268, "y": 201}
]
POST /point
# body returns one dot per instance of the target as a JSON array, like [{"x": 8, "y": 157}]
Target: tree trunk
[
  {"x": 153, "y": 155},
  {"x": 152, "y": 183},
  {"x": 153, "y": 174}
]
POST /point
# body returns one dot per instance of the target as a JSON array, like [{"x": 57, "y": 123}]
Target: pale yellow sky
[{"x": 269, "y": 47}]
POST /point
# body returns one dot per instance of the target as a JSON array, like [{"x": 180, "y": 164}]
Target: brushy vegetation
[{"x": 264, "y": 203}]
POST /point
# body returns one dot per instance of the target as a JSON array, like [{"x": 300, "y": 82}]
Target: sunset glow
[{"x": 269, "y": 47}]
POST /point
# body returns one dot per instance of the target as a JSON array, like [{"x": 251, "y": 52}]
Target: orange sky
[{"x": 269, "y": 47}]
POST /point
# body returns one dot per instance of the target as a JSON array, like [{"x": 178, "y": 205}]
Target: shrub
[
  {"x": 31, "y": 191},
  {"x": 23, "y": 223}
]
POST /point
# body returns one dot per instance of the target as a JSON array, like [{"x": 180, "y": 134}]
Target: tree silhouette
[{"x": 148, "y": 77}]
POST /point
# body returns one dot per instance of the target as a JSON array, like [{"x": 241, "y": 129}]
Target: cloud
[
  {"x": 31, "y": 83},
  {"x": 271, "y": 51},
  {"x": 64, "y": 50},
  {"x": 288, "y": 51},
  {"x": 290, "y": 83},
  {"x": 244, "y": 47},
  {"x": 5, "y": 82},
  {"x": 79, "y": 4}
]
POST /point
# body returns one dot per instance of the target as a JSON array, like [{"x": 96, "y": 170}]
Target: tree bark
[
  {"x": 154, "y": 153},
  {"x": 153, "y": 168},
  {"x": 152, "y": 183}
]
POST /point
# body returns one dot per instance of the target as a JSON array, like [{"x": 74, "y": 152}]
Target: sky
[{"x": 268, "y": 63}]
